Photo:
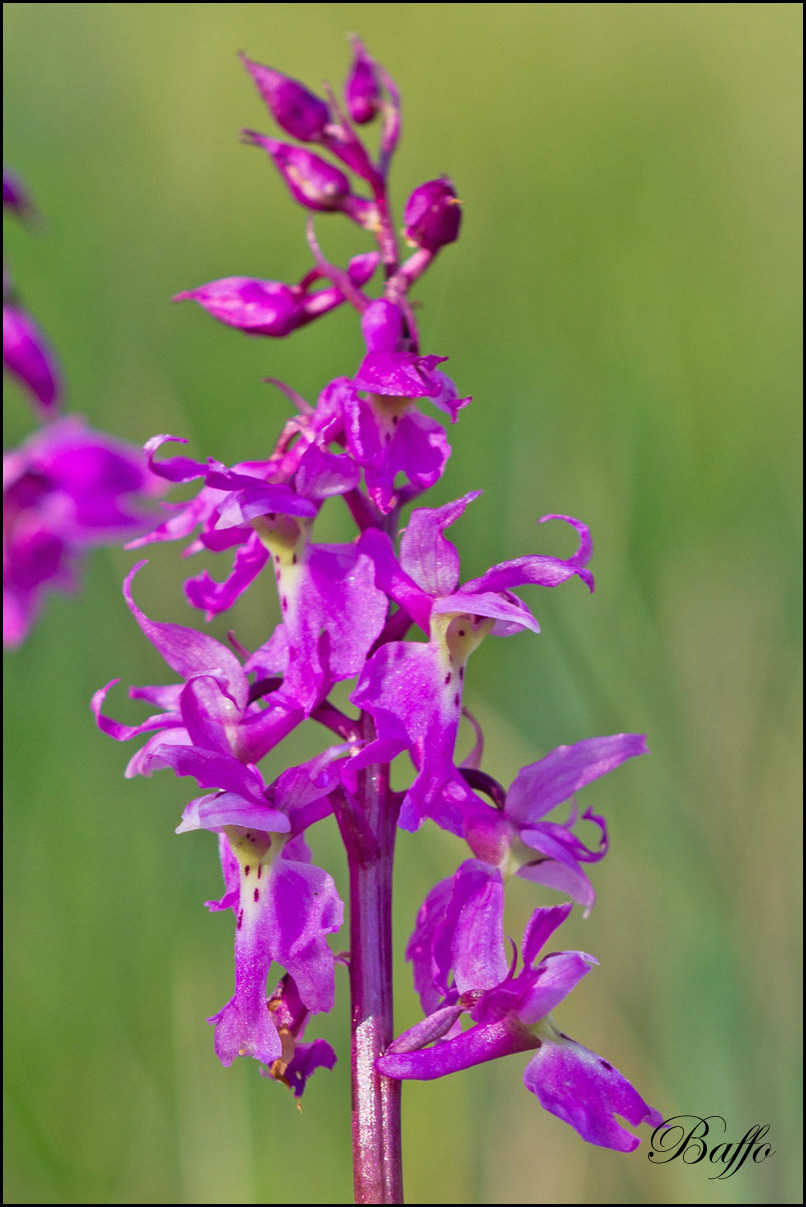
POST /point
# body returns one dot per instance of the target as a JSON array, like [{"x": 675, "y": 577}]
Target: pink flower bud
[
  {"x": 299, "y": 112},
  {"x": 382, "y": 326},
  {"x": 312, "y": 181},
  {"x": 433, "y": 215},
  {"x": 257, "y": 307},
  {"x": 362, "y": 90}
]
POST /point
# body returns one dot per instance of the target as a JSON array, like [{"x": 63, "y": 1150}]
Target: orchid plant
[{"x": 388, "y": 611}]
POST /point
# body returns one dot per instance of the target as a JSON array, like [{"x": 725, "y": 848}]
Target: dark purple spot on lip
[
  {"x": 277, "y": 558},
  {"x": 448, "y": 677},
  {"x": 605, "y": 1065},
  {"x": 259, "y": 870},
  {"x": 387, "y": 438},
  {"x": 461, "y": 672},
  {"x": 246, "y": 870},
  {"x": 461, "y": 632},
  {"x": 284, "y": 604},
  {"x": 395, "y": 420},
  {"x": 457, "y": 699},
  {"x": 240, "y": 919},
  {"x": 256, "y": 894},
  {"x": 294, "y": 560}
]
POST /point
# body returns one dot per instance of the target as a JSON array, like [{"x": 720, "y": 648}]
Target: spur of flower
[{"x": 512, "y": 1012}]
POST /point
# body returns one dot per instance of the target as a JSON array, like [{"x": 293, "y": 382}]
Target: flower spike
[{"x": 385, "y": 613}]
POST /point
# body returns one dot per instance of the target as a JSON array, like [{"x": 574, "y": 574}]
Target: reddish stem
[{"x": 377, "y": 1158}]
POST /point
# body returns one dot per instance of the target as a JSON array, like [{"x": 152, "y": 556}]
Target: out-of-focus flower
[
  {"x": 26, "y": 353},
  {"x": 66, "y": 489},
  {"x": 15, "y": 194},
  {"x": 28, "y": 357}
]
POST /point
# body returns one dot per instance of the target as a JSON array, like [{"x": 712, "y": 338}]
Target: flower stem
[{"x": 377, "y": 1160}]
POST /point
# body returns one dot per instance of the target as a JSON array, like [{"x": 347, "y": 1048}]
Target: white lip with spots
[{"x": 456, "y": 635}]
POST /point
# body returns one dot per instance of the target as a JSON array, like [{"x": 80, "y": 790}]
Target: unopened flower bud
[
  {"x": 27, "y": 356},
  {"x": 299, "y": 112},
  {"x": 257, "y": 307},
  {"x": 433, "y": 215},
  {"x": 362, "y": 90},
  {"x": 382, "y": 326},
  {"x": 313, "y": 182}
]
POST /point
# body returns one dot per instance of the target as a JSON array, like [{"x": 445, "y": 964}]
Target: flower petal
[
  {"x": 539, "y": 787},
  {"x": 188, "y": 652},
  {"x": 558, "y": 974},
  {"x": 425, "y": 554},
  {"x": 473, "y": 1047},
  {"x": 214, "y": 597},
  {"x": 586, "y": 1092}
]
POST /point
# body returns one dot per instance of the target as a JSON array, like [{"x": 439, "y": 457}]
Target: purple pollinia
[
  {"x": 389, "y": 612},
  {"x": 67, "y": 488}
]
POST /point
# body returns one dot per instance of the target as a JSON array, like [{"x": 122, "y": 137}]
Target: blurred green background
[{"x": 623, "y": 306}]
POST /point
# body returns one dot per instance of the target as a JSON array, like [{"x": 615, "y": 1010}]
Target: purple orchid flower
[
  {"x": 513, "y": 1014},
  {"x": 332, "y": 610},
  {"x": 384, "y": 432},
  {"x": 413, "y": 690},
  {"x": 393, "y": 370},
  {"x": 514, "y": 835},
  {"x": 284, "y": 906},
  {"x": 213, "y": 710},
  {"x": 65, "y": 490}
]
